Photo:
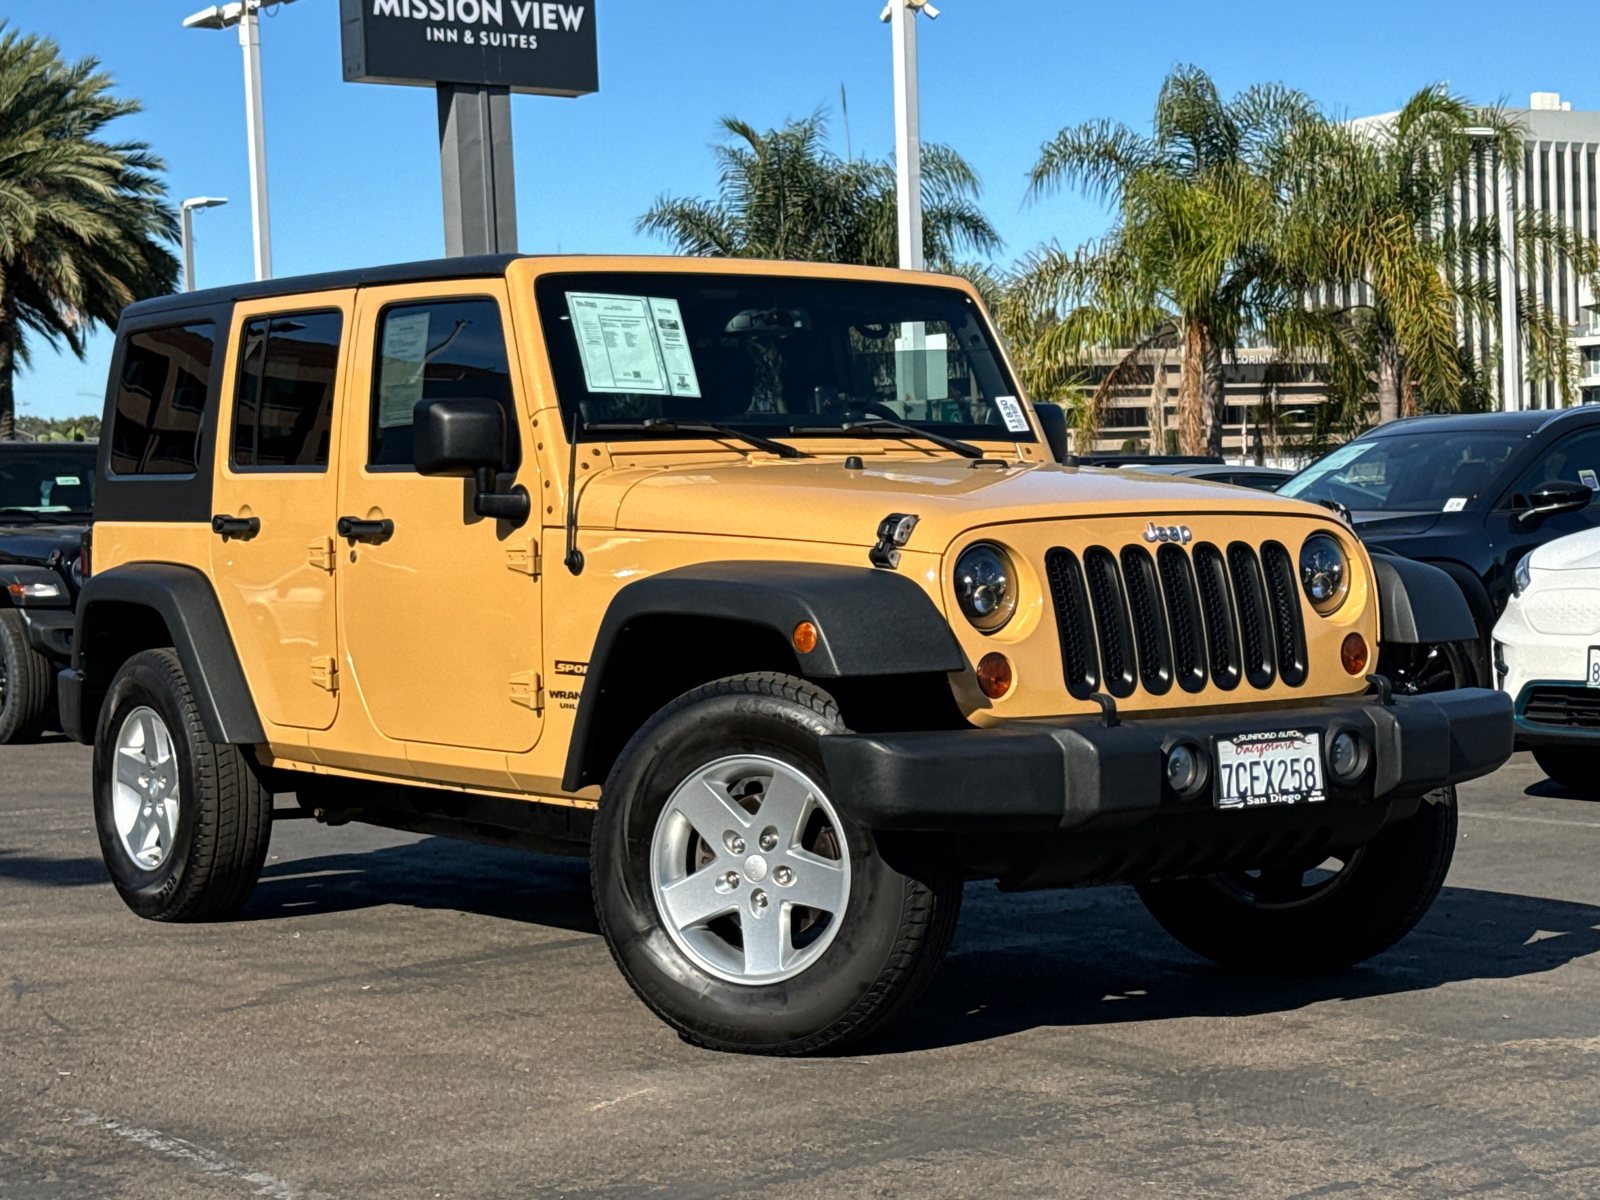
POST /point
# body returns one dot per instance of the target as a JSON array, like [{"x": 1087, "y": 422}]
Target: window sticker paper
[
  {"x": 620, "y": 340},
  {"x": 405, "y": 352},
  {"x": 68, "y": 481},
  {"x": 1587, "y": 478},
  {"x": 1455, "y": 504},
  {"x": 1011, "y": 413},
  {"x": 673, "y": 342}
]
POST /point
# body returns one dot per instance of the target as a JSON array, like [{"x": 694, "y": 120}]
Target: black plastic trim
[
  {"x": 184, "y": 600},
  {"x": 1420, "y": 604},
  {"x": 49, "y": 631}
]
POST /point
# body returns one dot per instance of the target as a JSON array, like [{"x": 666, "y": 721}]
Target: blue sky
[{"x": 354, "y": 170}]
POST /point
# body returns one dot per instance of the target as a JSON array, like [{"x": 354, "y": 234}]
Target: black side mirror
[
  {"x": 1557, "y": 496},
  {"x": 467, "y": 439},
  {"x": 1054, "y": 423}
]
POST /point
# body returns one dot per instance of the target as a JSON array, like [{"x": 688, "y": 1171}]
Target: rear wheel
[
  {"x": 742, "y": 906},
  {"x": 27, "y": 683},
  {"x": 1576, "y": 770},
  {"x": 1315, "y": 918},
  {"x": 184, "y": 822}
]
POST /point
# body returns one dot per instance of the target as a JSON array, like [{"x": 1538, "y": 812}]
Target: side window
[
  {"x": 161, "y": 396},
  {"x": 283, "y": 405},
  {"x": 439, "y": 349},
  {"x": 1574, "y": 459}
]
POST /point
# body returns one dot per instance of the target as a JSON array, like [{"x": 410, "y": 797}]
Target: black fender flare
[
  {"x": 1421, "y": 604},
  {"x": 869, "y": 623},
  {"x": 187, "y": 604}
]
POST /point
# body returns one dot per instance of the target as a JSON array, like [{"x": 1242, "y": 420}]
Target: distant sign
[{"x": 524, "y": 45}]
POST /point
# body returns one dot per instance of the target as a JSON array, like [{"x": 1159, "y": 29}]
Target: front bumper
[{"x": 1063, "y": 782}]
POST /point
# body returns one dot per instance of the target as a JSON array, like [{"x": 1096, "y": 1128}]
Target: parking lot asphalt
[{"x": 399, "y": 1016}]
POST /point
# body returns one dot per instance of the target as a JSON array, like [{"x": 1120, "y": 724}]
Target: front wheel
[
  {"x": 742, "y": 906},
  {"x": 27, "y": 683},
  {"x": 1315, "y": 919}
]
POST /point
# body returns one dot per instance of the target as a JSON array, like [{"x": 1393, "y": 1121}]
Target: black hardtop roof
[
  {"x": 1528, "y": 421},
  {"x": 472, "y": 266}
]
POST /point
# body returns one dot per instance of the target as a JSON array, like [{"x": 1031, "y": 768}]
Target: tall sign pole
[
  {"x": 475, "y": 167},
  {"x": 902, "y": 18},
  {"x": 255, "y": 124}
]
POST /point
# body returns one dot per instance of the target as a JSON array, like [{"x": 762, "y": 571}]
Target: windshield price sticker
[
  {"x": 1255, "y": 770},
  {"x": 633, "y": 345},
  {"x": 1011, "y": 413}
]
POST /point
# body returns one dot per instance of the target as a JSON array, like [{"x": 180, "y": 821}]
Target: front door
[
  {"x": 274, "y": 501},
  {"x": 440, "y": 610}
]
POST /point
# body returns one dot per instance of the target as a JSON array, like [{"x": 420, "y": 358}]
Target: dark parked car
[
  {"x": 1263, "y": 479},
  {"x": 46, "y": 505},
  {"x": 1470, "y": 494}
]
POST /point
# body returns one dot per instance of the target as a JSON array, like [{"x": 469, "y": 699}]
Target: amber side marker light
[
  {"x": 1353, "y": 654},
  {"x": 994, "y": 675},
  {"x": 805, "y": 637}
]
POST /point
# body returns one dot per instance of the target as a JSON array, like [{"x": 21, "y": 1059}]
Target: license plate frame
[{"x": 1275, "y": 765}]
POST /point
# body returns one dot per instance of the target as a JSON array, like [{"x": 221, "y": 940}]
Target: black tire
[
  {"x": 1417, "y": 670},
  {"x": 27, "y": 683},
  {"x": 1576, "y": 770},
  {"x": 224, "y": 822},
  {"x": 889, "y": 941},
  {"x": 1286, "y": 921}
]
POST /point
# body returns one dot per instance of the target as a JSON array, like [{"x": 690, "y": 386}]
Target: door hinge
[
  {"x": 320, "y": 553},
  {"x": 325, "y": 673},
  {"x": 524, "y": 559},
  {"x": 527, "y": 690}
]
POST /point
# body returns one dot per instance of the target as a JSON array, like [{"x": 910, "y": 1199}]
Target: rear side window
[
  {"x": 439, "y": 349},
  {"x": 161, "y": 397},
  {"x": 283, "y": 405}
]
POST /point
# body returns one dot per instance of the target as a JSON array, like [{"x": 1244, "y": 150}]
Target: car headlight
[
  {"x": 986, "y": 586},
  {"x": 1324, "y": 572},
  {"x": 1523, "y": 575}
]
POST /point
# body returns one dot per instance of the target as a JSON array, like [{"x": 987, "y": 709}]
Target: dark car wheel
[
  {"x": 27, "y": 683},
  {"x": 1416, "y": 670},
  {"x": 1314, "y": 919},
  {"x": 184, "y": 822},
  {"x": 1576, "y": 770},
  {"x": 742, "y": 906}
]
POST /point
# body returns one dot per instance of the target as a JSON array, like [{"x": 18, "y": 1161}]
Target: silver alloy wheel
[
  {"x": 144, "y": 791},
  {"x": 750, "y": 870}
]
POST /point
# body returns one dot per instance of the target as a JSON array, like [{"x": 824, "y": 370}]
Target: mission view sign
[{"x": 524, "y": 45}]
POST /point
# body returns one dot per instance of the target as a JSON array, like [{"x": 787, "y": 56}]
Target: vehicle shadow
[
  {"x": 1553, "y": 790},
  {"x": 1100, "y": 959},
  {"x": 17, "y": 866}
]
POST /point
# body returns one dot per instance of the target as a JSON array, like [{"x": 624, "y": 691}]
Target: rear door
[{"x": 274, "y": 499}]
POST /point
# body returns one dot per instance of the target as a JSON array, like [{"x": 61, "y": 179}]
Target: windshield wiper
[
  {"x": 883, "y": 425},
  {"x": 667, "y": 425}
]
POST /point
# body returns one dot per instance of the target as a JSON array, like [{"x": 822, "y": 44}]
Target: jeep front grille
[{"x": 1129, "y": 621}]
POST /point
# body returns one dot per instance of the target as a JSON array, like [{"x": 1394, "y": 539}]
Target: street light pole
[
  {"x": 186, "y": 209},
  {"x": 246, "y": 14},
  {"x": 902, "y": 18}
]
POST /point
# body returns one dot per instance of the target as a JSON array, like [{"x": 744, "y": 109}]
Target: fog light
[
  {"x": 1353, "y": 654},
  {"x": 1345, "y": 755},
  {"x": 994, "y": 675},
  {"x": 805, "y": 637},
  {"x": 1183, "y": 769}
]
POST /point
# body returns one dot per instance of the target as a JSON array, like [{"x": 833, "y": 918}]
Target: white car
[{"x": 1547, "y": 658}]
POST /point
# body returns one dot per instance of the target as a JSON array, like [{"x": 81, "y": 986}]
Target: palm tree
[
  {"x": 1367, "y": 232},
  {"x": 1186, "y": 267},
  {"x": 783, "y": 195},
  {"x": 81, "y": 220}
]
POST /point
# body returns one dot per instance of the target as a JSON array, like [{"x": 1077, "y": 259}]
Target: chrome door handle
[
  {"x": 358, "y": 530},
  {"x": 238, "y": 527}
]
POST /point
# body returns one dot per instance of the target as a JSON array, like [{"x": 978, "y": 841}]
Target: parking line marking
[
  {"x": 208, "y": 1161},
  {"x": 1532, "y": 820}
]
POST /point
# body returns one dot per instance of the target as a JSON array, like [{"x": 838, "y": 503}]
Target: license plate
[
  {"x": 1593, "y": 677},
  {"x": 1255, "y": 770}
]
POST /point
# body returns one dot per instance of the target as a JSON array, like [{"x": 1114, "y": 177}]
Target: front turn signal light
[
  {"x": 1353, "y": 654},
  {"x": 994, "y": 675},
  {"x": 805, "y": 637}
]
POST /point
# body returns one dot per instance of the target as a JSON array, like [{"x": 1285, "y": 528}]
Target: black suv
[
  {"x": 46, "y": 505},
  {"x": 1471, "y": 494}
]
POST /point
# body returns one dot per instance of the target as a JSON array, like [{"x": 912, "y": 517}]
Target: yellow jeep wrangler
[{"x": 758, "y": 583}]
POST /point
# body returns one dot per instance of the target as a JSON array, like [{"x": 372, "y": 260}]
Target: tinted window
[
  {"x": 431, "y": 351},
  {"x": 1409, "y": 472},
  {"x": 47, "y": 479},
  {"x": 161, "y": 396},
  {"x": 283, "y": 406},
  {"x": 1572, "y": 459}
]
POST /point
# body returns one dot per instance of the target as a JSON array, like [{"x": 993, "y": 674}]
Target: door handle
[
  {"x": 239, "y": 527},
  {"x": 358, "y": 530}
]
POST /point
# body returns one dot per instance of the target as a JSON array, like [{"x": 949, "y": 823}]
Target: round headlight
[
  {"x": 1324, "y": 572},
  {"x": 986, "y": 586}
]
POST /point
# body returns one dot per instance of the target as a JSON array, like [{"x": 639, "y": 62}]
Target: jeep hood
[{"x": 821, "y": 501}]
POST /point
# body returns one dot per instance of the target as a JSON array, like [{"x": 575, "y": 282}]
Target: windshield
[
  {"x": 47, "y": 480},
  {"x": 775, "y": 354},
  {"x": 1420, "y": 472}
]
